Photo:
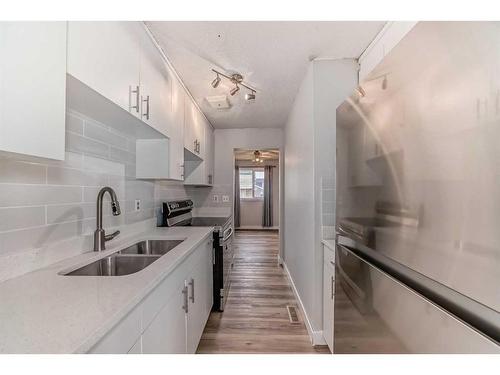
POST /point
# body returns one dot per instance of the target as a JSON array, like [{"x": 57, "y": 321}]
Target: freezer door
[{"x": 398, "y": 320}]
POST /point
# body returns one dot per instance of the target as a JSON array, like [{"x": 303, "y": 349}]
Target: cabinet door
[
  {"x": 167, "y": 333},
  {"x": 190, "y": 119},
  {"x": 328, "y": 299},
  {"x": 199, "y": 133},
  {"x": 33, "y": 88},
  {"x": 106, "y": 57},
  {"x": 209, "y": 153},
  {"x": 200, "y": 297},
  {"x": 176, "y": 131},
  {"x": 155, "y": 88}
]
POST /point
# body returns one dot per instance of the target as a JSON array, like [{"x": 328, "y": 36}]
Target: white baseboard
[{"x": 316, "y": 336}]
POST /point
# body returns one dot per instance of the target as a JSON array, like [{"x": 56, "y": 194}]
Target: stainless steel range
[{"x": 179, "y": 213}]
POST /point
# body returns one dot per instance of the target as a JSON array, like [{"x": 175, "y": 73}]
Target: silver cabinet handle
[
  {"x": 332, "y": 285},
  {"x": 147, "y": 107},
  {"x": 195, "y": 145},
  {"x": 185, "y": 306},
  {"x": 137, "y": 94},
  {"x": 191, "y": 283}
]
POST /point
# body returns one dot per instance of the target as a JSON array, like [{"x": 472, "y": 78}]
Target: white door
[
  {"x": 167, "y": 333},
  {"x": 106, "y": 57},
  {"x": 328, "y": 300},
  {"x": 176, "y": 131},
  {"x": 155, "y": 88},
  {"x": 33, "y": 88}
]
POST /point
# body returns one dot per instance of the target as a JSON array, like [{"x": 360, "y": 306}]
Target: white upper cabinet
[
  {"x": 33, "y": 88},
  {"x": 176, "y": 131},
  {"x": 155, "y": 87},
  {"x": 194, "y": 130},
  {"x": 106, "y": 56},
  {"x": 200, "y": 172}
]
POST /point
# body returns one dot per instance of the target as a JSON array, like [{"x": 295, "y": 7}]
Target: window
[{"x": 251, "y": 183}]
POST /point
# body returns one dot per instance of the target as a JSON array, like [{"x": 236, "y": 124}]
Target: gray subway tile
[
  {"x": 102, "y": 134},
  {"x": 74, "y": 124},
  {"x": 12, "y": 195},
  {"x": 21, "y": 217},
  {"x": 77, "y": 143},
  {"x": 67, "y": 176},
  {"x": 22, "y": 172},
  {"x": 122, "y": 156}
]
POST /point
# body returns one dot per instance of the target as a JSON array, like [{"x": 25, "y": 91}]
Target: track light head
[
  {"x": 216, "y": 81},
  {"x": 250, "y": 96},
  {"x": 234, "y": 90}
]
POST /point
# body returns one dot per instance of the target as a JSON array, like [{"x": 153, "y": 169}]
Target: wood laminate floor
[{"x": 256, "y": 319}]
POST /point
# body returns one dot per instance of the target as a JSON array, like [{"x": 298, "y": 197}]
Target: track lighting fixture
[
  {"x": 234, "y": 90},
  {"x": 237, "y": 80},
  {"x": 216, "y": 81}
]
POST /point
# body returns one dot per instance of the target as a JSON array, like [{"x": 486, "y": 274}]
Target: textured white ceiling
[{"x": 272, "y": 57}]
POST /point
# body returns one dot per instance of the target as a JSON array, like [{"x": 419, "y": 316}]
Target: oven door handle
[{"x": 227, "y": 236}]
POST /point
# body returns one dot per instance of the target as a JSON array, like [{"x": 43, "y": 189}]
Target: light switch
[{"x": 225, "y": 198}]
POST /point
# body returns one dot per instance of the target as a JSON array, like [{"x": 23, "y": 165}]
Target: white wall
[{"x": 309, "y": 174}]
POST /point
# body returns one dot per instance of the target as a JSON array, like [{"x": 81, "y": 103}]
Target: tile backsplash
[{"x": 47, "y": 205}]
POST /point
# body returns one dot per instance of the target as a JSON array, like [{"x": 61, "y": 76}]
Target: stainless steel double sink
[{"x": 130, "y": 260}]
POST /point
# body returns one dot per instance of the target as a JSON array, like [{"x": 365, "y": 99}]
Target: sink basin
[
  {"x": 115, "y": 265},
  {"x": 151, "y": 247}
]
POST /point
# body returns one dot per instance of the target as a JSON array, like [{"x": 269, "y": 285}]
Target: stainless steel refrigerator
[{"x": 418, "y": 197}]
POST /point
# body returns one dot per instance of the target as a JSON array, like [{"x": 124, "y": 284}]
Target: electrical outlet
[
  {"x": 225, "y": 198},
  {"x": 137, "y": 206},
  {"x": 215, "y": 198}
]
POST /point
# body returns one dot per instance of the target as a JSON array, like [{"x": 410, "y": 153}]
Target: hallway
[{"x": 256, "y": 319}]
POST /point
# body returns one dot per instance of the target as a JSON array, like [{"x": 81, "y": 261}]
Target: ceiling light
[
  {"x": 360, "y": 91},
  {"x": 216, "y": 81},
  {"x": 234, "y": 90},
  {"x": 237, "y": 80},
  {"x": 256, "y": 156},
  {"x": 250, "y": 96}
]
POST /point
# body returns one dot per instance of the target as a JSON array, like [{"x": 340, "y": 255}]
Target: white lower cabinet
[
  {"x": 167, "y": 333},
  {"x": 200, "y": 301},
  {"x": 171, "y": 319},
  {"x": 328, "y": 295}
]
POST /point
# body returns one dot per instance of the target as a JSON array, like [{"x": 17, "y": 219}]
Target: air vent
[
  {"x": 218, "y": 102},
  {"x": 292, "y": 314}
]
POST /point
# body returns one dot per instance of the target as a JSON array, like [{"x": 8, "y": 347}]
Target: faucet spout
[{"x": 100, "y": 237}]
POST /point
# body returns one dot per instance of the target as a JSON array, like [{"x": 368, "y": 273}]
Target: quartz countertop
[{"x": 46, "y": 312}]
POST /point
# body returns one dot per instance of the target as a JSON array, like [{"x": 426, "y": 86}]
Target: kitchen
[{"x": 172, "y": 191}]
